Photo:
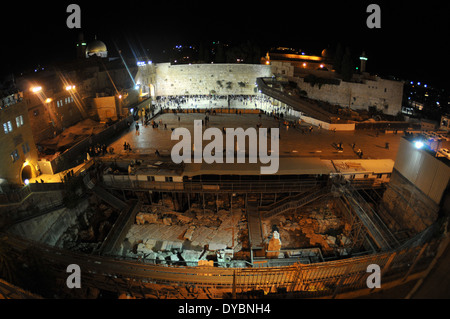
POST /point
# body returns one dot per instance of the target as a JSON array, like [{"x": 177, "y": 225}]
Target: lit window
[
  {"x": 14, "y": 156},
  {"x": 7, "y": 127},
  {"x": 25, "y": 148},
  {"x": 57, "y": 103},
  {"x": 169, "y": 179},
  {"x": 19, "y": 121}
]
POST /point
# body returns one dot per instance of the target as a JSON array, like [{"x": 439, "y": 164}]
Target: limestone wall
[
  {"x": 405, "y": 208},
  {"x": 106, "y": 107},
  {"x": 50, "y": 227},
  {"x": 202, "y": 79},
  {"x": 385, "y": 95}
]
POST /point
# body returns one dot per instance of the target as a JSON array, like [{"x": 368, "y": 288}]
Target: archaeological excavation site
[{"x": 155, "y": 229}]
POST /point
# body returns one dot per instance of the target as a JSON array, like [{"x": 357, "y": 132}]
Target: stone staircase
[{"x": 293, "y": 202}]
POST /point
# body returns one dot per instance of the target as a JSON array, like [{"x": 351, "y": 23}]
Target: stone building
[
  {"x": 18, "y": 158},
  {"x": 316, "y": 77},
  {"x": 367, "y": 91}
]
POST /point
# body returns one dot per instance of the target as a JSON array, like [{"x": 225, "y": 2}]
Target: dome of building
[
  {"x": 326, "y": 53},
  {"x": 97, "y": 48}
]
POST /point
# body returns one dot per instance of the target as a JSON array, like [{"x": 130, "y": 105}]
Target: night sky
[{"x": 412, "y": 42}]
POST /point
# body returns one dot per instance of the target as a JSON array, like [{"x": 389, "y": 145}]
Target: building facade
[{"x": 18, "y": 158}]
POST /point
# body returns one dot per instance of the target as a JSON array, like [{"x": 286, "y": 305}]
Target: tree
[
  {"x": 337, "y": 60},
  {"x": 347, "y": 66},
  {"x": 201, "y": 52},
  {"x": 220, "y": 54}
]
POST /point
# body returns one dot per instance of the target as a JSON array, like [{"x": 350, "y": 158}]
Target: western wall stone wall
[
  {"x": 204, "y": 79},
  {"x": 405, "y": 208},
  {"x": 385, "y": 95}
]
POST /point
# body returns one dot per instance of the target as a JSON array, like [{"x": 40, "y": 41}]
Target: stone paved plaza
[{"x": 293, "y": 142}]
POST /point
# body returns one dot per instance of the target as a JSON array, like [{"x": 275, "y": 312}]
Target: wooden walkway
[{"x": 254, "y": 225}]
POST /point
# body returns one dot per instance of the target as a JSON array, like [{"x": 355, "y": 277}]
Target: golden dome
[{"x": 96, "y": 47}]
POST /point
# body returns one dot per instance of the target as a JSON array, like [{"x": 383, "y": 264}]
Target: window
[
  {"x": 169, "y": 179},
  {"x": 379, "y": 175},
  {"x": 7, "y": 127},
  {"x": 19, "y": 121},
  {"x": 25, "y": 148},
  {"x": 57, "y": 103},
  {"x": 14, "y": 156},
  {"x": 150, "y": 178}
]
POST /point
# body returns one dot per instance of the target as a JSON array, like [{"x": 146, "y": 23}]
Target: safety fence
[
  {"x": 133, "y": 182},
  {"x": 317, "y": 280}
]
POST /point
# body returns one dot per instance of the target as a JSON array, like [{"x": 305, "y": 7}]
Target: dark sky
[{"x": 412, "y": 42}]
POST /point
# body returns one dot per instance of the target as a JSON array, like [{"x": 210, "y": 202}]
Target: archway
[
  {"x": 27, "y": 173},
  {"x": 152, "y": 90}
]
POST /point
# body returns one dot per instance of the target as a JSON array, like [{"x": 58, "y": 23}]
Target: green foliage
[
  {"x": 220, "y": 54},
  {"x": 337, "y": 60},
  {"x": 347, "y": 66},
  {"x": 248, "y": 52},
  {"x": 313, "y": 80}
]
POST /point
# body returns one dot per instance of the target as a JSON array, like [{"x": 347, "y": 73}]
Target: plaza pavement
[{"x": 319, "y": 143}]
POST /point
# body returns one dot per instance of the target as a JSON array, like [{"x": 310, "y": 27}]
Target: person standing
[{"x": 137, "y": 128}]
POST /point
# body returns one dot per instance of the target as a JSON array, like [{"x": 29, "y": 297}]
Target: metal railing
[
  {"x": 376, "y": 227},
  {"x": 18, "y": 195},
  {"x": 127, "y": 182},
  {"x": 325, "y": 279},
  {"x": 296, "y": 104},
  {"x": 296, "y": 202}
]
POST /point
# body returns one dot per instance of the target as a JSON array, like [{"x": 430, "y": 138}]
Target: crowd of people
[{"x": 209, "y": 101}]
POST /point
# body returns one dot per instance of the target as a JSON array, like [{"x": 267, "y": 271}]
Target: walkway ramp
[
  {"x": 297, "y": 104},
  {"x": 377, "y": 230},
  {"x": 108, "y": 197},
  {"x": 254, "y": 225},
  {"x": 120, "y": 228}
]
